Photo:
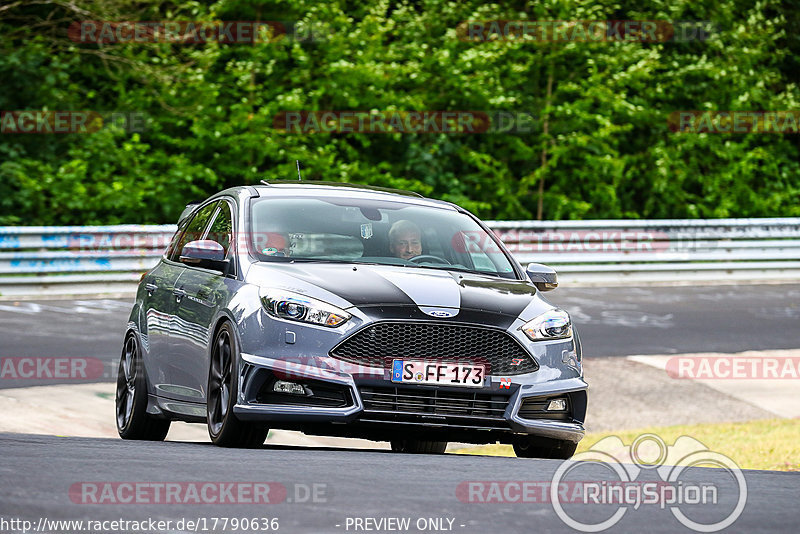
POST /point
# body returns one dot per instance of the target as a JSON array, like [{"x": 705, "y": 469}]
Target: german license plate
[{"x": 444, "y": 374}]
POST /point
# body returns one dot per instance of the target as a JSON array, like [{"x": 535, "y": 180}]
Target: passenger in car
[{"x": 405, "y": 240}]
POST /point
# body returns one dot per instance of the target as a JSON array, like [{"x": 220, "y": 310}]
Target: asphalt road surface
[
  {"x": 45, "y": 478},
  {"x": 680, "y": 320},
  {"x": 327, "y": 490},
  {"x": 611, "y": 321}
]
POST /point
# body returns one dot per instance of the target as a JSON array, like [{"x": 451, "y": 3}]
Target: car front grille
[
  {"x": 450, "y": 407},
  {"x": 380, "y": 343}
]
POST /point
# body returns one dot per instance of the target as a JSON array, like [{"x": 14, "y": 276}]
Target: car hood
[{"x": 384, "y": 285}]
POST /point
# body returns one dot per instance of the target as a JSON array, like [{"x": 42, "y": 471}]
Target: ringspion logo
[{"x": 698, "y": 505}]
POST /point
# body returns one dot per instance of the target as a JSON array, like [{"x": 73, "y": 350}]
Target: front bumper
[{"x": 503, "y": 408}]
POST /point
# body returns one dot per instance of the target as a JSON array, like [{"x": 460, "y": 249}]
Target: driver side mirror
[
  {"x": 543, "y": 277},
  {"x": 206, "y": 254}
]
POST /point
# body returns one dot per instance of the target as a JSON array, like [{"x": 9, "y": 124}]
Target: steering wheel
[{"x": 429, "y": 257}]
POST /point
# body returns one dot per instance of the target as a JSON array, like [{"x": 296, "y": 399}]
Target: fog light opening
[
  {"x": 557, "y": 405},
  {"x": 291, "y": 388}
]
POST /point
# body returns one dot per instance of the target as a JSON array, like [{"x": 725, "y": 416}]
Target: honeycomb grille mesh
[{"x": 378, "y": 344}]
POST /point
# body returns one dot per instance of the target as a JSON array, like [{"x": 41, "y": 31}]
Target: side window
[
  {"x": 195, "y": 230},
  {"x": 221, "y": 229},
  {"x": 175, "y": 239}
]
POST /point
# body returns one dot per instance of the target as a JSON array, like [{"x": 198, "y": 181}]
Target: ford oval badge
[{"x": 439, "y": 312}]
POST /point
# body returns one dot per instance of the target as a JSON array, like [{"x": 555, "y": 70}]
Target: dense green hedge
[{"x": 610, "y": 153}]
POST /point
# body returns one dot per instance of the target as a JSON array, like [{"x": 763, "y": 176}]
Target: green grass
[{"x": 772, "y": 444}]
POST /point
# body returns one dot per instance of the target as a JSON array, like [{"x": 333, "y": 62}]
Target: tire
[
  {"x": 133, "y": 421},
  {"x": 418, "y": 446},
  {"x": 224, "y": 429},
  {"x": 530, "y": 447}
]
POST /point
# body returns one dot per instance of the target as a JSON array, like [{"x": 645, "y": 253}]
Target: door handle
[
  {"x": 179, "y": 294},
  {"x": 150, "y": 287}
]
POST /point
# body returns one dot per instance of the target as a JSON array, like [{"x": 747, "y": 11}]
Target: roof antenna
[{"x": 299, "y": 178}]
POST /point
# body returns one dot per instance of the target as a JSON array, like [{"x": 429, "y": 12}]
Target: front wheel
[
  {"x": 224, "y": 428},
  {"x": 418, "y": 446},
  {"x": 133, "y": 421},
  {"x": 532, "y": 447}
]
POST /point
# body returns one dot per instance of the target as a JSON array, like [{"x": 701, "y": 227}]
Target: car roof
[
  {"x": 341, "y": 189},
  {"x": 285, "y": 188}
]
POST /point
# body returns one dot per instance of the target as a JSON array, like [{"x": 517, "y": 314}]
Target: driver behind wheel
[{"x": 405, "y": 240}]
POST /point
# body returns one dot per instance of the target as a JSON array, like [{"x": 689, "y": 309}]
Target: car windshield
[{"x": 373, "y": 231}]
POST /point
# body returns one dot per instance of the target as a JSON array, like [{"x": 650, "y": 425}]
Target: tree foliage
[{"x": 608, "y": 150}]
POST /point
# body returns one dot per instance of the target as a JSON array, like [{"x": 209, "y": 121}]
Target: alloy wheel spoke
[
  {"x": 223, "y": 399},
  {"x": 126, "y": 383},
  {"x": 128, "y": 406},
  {"x": 126, "y": 362},
  {"x": 215, "y": 409},
  {"x": 226, "y": 375},
  {"x": 219, "y": 382},
  {"x": 216, "y": 374}
]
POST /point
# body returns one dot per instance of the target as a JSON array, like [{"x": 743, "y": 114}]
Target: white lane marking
[
  {"x": 635, "y": 319},
  {"x": 780, "y": 397},
  {"x": 24, "y": 307},
  {"x": 90, "y": 307},
  {"x": 621, "y": 317}
]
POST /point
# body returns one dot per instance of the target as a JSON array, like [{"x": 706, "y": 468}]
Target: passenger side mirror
[
  {"x": 206, "y": 254},
  {"x": 543, "y": 277}
]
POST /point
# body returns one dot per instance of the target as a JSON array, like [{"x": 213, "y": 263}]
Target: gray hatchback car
[{"x": 346, "y": 310}]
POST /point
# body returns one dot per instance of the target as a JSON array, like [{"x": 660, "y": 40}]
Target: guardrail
[
  {"x": 45, "y": 260},
  {"x": 659, "y": 251}
]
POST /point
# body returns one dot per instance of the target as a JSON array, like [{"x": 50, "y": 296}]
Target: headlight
[
  {"x": 296, "y": 307},
  {"x": 552, "y": 324}
]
